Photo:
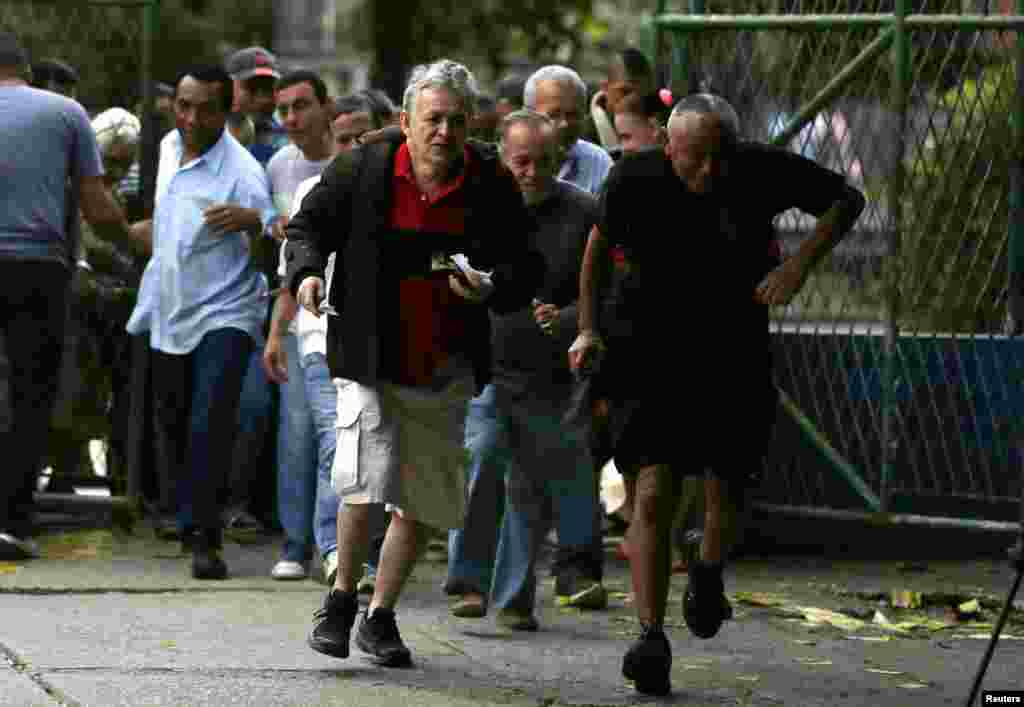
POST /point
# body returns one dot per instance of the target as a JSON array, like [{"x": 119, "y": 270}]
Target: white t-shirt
[{"x": 311, "y": 330}]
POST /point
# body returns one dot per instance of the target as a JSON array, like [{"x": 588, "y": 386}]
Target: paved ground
[{"x": 110, "y": 619}]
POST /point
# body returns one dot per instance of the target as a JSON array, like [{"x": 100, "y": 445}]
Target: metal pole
[
  {"x": 659, "y": 40},
  {"x": 149, "y": 146},
  {"x": 900, "y": 90},
  {"x": 887, "y": 520},
  {"x": 823, "y": 23},
  {"x": 836, "y": 86},
  {"x": 1015, "y": 237},
  {"x": 147, "y": 166}
]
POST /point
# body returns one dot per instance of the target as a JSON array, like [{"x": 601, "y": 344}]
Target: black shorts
[{"x": 725, "y": 432}]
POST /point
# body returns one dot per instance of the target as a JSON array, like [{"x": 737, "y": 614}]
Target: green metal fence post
[
  {"x": 147, "y": 162},
  {"x": 697, "y": 7},
  {"x": 148, "y": 149},
  {"x": 1015, "y": 239},
  {"x": 900, "y": 91},
  {"x": 659, "y": 39}
]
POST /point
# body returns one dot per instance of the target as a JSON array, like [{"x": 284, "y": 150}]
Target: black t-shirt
[
  {"x": 695, "y": 261},
  {"x": 524, "y": 356}
]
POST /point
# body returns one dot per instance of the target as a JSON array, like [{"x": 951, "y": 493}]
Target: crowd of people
[{"x": 460, "y": 305}]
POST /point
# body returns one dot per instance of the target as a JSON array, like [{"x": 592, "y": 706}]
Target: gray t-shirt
[
  {"x": 46, "y": 144},
  {"x": 287, "y": 169}
]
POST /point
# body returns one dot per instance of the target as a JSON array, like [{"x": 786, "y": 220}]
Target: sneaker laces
[
  {"x": 384, "y": 624},
  {"x": 651, "y": 632},
  {"x": 333, "y": 606}
]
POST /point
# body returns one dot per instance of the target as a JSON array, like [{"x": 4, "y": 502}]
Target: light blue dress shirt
[
  {"x": 586, "y": 165},
  {"x": 198, "y": 281}
]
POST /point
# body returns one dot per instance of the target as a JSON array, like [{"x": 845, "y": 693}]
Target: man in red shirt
[{"x": 426, "y": 230}]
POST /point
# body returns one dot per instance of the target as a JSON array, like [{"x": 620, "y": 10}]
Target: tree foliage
[
  {"x": 103, "y": 41},
  {"x": 488, "y": 33}
]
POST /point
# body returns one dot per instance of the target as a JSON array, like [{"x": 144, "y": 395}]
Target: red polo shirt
[{"x": 432, "y": 316}]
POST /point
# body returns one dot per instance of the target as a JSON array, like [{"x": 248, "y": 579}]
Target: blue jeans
[
  {"x": 471, "y": 549},
  {"x": 550, "y": 480},
  {"x": 195, "y": 398},
  {"x": 255, "y": 411},
  {"x": 306, "y": 502}
]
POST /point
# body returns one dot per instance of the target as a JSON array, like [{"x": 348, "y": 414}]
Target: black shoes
[
  {"x": 333, "y": 624},
  {"x": 648, "y": 662},
  {"x": 378, "y": 635},
  {"x": 206, "y": 546},
  {"x": 15, "y": 546},
  {"x": 705, "y": 606},
  {"x": 574, "y": 588}
]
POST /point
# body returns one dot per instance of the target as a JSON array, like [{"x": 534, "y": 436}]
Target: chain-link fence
[{"x": 901, "y": 390}]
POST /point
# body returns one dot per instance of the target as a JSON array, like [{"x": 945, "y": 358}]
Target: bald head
[
  {"x": 709, "y": 104},
  {"x": 529, "y": 147},
  {"x": 699, "y": 147}
]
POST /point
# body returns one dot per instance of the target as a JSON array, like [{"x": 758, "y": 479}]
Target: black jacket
[{"x": 350, "y": 209}]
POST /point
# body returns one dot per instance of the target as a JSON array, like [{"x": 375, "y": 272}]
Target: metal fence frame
[{"x": 673, "y": 32}]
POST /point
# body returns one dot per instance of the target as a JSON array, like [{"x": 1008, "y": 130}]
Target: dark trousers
[
  {"x": 33, "y": 301},
  {"x": 195, "y": 404}
]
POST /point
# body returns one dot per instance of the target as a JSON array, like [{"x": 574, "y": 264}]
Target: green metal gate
[{"x": 901, "y": 386}]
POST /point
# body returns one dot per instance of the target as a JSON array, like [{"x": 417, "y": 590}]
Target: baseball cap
[{"x": 251, "y": 62}]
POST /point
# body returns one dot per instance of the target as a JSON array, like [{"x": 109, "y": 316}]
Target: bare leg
[
  {"x": 404, "y": 543},
  {"x": 655, "y": 499},
  {"x": 353, "y": 544},
  {"x": 714, "y": 493}
]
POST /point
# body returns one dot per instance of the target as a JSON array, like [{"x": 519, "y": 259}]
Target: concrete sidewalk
[{"x": 114, "y": 619}]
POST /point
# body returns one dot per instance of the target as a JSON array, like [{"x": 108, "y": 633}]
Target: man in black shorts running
[{"x": 695, "y": 221}]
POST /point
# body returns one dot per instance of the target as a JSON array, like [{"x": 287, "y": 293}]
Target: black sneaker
[
  {"x": 332, "y": 625},
  {"x": 206, "y": 560},
  {"x": 648, "y": 662},
  {"x": 705, "y": 606},
  {"x": 573, "y": 588},
  {"x": 378, "y": 635},
  {"x": 15, "y": 546}
]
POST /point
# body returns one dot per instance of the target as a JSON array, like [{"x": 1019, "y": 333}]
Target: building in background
[{"x": 306, "y": 37}]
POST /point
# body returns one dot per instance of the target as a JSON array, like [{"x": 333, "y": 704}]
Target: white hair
[
  {"x": 523, "y": 116},
  {"x": 116, "y": 125},
  {"x": 444, "y": 73},
  {"x": 709, "y": 104},
  {"x": 554, "y": 72}
]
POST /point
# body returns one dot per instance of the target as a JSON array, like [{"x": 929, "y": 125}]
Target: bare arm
[
  {"x": 275, "y": 356},
  {"x": 783, "y": 283},
  {"x": 831, "y": 228},
  {"x": 592, "y": 275},
  {"x": 107, "y": 219},
  {"x": 285, "y": 309}
]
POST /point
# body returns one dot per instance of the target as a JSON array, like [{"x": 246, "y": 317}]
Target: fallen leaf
[
  {"x": 833, "y": 618},
  {"x": 881, "y": 671},
  {"x": 759, "y": 599},
  {"x": 814, "y": 662},
  {"x": 968, "y": 609},
  {"x": 168, "y": 644},
  {"x": 905, "y": 599},
  {"x": 8, "y": 568}
]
